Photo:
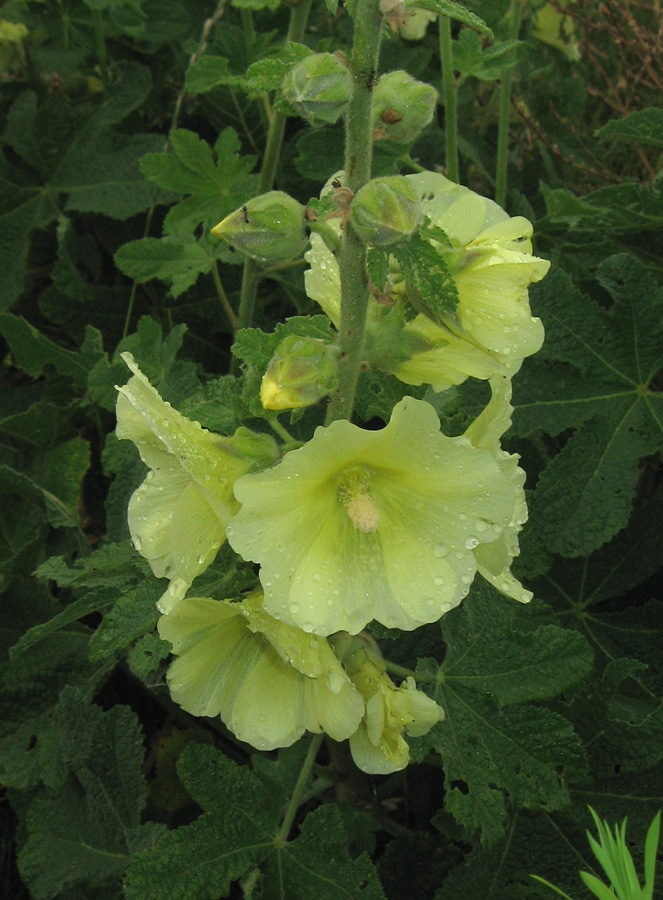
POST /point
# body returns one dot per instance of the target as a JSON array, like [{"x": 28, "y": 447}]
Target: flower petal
[
  {"x": 227, "y": 666},
  {"x": 432, "y": 500}
]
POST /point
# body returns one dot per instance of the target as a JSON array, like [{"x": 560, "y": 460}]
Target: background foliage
[{"x": 128, "y": 128}]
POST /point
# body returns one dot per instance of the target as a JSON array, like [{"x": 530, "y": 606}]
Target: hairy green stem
[
  {"x": 99, "y": 42},
  {"x": 505, "y": 108},
  {"x": 223, "y": 297},
  {"x": 251, "y": 276},
  {"x": 358, "y": 157},
  {"x": 450, "y": 103},
  {"x": 302, "y": 780},
  {"x": 395, "y": 669}
]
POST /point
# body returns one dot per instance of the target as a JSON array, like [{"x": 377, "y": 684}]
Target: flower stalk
[
  {"x": 450, "y": 105},
  {"x": 505, "y": 108},
  {"x": 251, "y": 276},
  {"x": 358, "y": 157}
]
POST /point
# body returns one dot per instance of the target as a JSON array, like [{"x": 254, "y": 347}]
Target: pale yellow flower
[
  {"x": 267, "y": 681},
  {"x": 177, "y": 517},
  {"x": 359, "y": 525}
]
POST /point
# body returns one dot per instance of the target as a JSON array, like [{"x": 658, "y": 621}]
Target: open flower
[
  {"x": 492, "y": 329},
  {"x": 378, "y": 745},
  {"x": 492, "y": 267},
  {"x": 359, "y": 525},
  {"x": 269, "y": 682},
  {"x": 494, "y": 560},
  {"x": 177, "y": 517}
]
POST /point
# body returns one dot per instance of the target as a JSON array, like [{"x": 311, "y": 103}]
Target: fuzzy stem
[
  {"x": 223, "y": 297},
  {"x": 505, "y": 108},
  {"x": 302, "y": 780},
  {"x": 358, "y": 156},
  {"x": 99, "y": 42},
  {"x": 395, "y": 669},
  {"x": 251, "y": 277},
  {"x": 450, "y": 104}
]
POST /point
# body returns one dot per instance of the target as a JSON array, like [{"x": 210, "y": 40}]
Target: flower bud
[
  {"x": 300, "y": 373},
  {"x": 386, "y": 211},
  {"x": 319, "y": 88},
  {"x": 402, "y": 107},
  {"x": 259, "y": 450},
  {"x": 270, "y": 228}
]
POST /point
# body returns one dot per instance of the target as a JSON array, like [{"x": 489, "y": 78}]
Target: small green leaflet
[
  {"x": 594, "y": 374},
  {"x": 471, "y": 59},
  {"x": 210, "y": 72},
  {"x": 256, "y": 348},
  {"x": 428, "y": 277},
  {"x": 214, "y": 182},
  {"x": 454, "y": 11},
  {"x": 268, "y": 74}
]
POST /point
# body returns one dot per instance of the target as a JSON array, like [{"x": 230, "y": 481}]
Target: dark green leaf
[{"x": 644, "y": 127}]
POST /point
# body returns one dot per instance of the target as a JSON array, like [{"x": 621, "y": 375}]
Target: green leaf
[
  {"x": 617, "y": 209},
  {"x": 33, "y": 351},
  {"x": 594, "y": 374},
  {"x": 644, "y": 127},
  {"x": 30, "y": 685},
  {"x": 378, "y": 392},
  {"x": 88, "y": 830},
  {"x": 471, "y": 59},
  {"x": 214, "y": 405},
  {"x": 132, "y": 617},
  {"x": 178, "y": 260},
  {"x": 61, "y": 470},
  {"x": 256, "y": 348},
  {"x": 428, "y": 277},
  {"x": 454, "y": 11},
  {"x": 234, "y": 834},
  {"x": 489, "y": 751},
  {"x": 156, "y": 357},
  {"x": 318, "y": 153},
  {"x": 268, "y": 74},
  {"x": 317, "y": 864},
  {"x": 213, "y": 188},
  {"x": 210, "y": 72},
  {"x": 147, "y": 654}
]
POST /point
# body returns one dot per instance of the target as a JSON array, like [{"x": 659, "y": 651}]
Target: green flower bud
[
  {"x": 402, "y": 107},
  {"x": 270, "y": 228},
  {"x": 386, "y": 211},
  {"x": 319, "y": 88},
  {"x": 300, "y": 373}
]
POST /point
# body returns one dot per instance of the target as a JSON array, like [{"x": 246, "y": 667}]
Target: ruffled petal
[
  {"x": 335, "y": 555},
  {"x": 228, "y": 666}
]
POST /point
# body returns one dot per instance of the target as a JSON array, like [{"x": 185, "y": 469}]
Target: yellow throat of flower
[{"x": 354, "y": 496}]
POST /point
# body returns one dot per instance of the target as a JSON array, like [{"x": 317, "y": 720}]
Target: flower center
[{"x": 354, "y": 495}]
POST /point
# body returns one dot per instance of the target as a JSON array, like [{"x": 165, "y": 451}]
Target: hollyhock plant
[
  {"x": 267, "y": 681},
  {"x": 177, "y": 517},
  {"x": 359, "y": 525}
]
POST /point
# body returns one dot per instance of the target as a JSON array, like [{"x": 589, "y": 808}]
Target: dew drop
[
  {"x": 440, "y": 550},
  {"x": 439, "y": 580},
  {"x": 471, "y": 542}
]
